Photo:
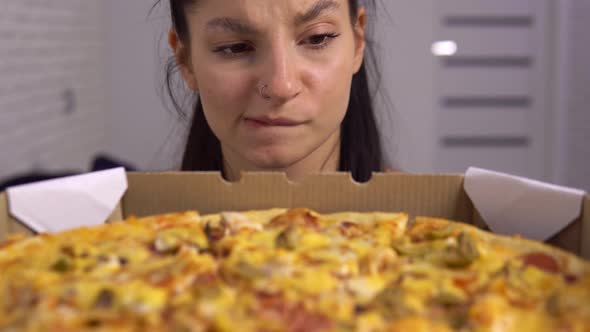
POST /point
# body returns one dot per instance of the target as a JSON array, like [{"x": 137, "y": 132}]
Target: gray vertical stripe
[
  {"x": 487, "y": 102},
  {"x": 487, "y": 61},
  {"x": 488, "y": 21},
  {"x": 485, "y": 141}
]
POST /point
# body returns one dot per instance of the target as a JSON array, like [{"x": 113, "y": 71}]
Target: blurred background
[{"x": 502, "y": 84}]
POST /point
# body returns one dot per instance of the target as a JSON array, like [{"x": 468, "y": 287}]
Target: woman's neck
[{"x": 326, "y": 158}]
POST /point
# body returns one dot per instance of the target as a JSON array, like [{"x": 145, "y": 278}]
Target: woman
[{"x": 281, "y": 86}]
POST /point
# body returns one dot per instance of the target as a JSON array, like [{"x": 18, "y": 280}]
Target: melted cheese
[{"x": 262, "y": 270}]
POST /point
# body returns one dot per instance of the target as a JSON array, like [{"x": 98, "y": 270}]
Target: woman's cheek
[
  {"x": 225, "y": 92},
  {"x": 333, "y": 88}
]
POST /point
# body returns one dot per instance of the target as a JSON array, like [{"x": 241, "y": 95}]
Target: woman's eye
[
  {"x": 233, "y": 49},
  {"x": 321, "y": 40}
]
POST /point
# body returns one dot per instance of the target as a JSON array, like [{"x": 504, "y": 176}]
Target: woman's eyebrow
[
  {"x": 237, "y": 26},
  {"x": 316, "y": 10},
  {"x": 230, "y": 24}
]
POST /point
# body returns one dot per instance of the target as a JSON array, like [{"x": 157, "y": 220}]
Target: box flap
[
  {"x": 61, "y": 204},
  {"x": 514, "y": 205},
  {"x": 9, "y": 225}
]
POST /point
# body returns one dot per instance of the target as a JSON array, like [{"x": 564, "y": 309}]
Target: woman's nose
[{"x": 282, "y": 78}]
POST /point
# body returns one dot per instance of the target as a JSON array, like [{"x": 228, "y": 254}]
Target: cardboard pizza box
[{"x": 502, "y": 203}]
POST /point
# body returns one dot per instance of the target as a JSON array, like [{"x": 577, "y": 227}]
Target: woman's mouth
[{"x": 265, "y": 122}]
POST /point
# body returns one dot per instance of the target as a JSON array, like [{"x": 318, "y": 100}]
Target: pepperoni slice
[
  {"x": 542, "y": 261},
  {"x": 300, "y": 320},
  {"x": 570, "y": 279},
  {"x": 295, "y": 316},
  {"x": 464, "y": 282}
]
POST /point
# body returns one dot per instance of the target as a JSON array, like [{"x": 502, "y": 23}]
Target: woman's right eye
[{"x": 233, "y": 50}]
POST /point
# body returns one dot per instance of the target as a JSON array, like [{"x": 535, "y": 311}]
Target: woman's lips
[{"x": 268, "y": 122}]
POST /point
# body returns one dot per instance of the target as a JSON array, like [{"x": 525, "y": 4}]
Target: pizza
[{"x": 289, "y": 270}]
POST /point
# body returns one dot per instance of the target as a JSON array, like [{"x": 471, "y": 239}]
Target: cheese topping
[{"x": 287, "y": 270}]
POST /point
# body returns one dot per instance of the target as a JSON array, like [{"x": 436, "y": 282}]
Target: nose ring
[{"x": 262, "y": 91}]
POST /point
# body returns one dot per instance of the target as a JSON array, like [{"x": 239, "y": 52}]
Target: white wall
[
  {"x": 405, "y": 32},
  {"x": 493, "y": 99},
  {"x": 141, "y": 130},
  {"x": 52, "y": 85},
  {"x": 578, "y": 96}
]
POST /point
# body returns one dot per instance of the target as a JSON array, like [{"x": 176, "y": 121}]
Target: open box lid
[{"x": 431, "y": 195}]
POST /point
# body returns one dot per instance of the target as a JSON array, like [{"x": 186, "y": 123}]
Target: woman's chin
[
  {"x": 273, "y": 160},
  {"x": 272, "y": 164}
]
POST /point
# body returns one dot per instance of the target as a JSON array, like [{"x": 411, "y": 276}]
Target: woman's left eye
[
  {"x": 321, "y": 40},
  {"x": 234, "y": 50}
]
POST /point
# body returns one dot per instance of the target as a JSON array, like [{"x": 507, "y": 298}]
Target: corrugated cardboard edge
[
  {"x": 117, "y": 214},
  {"x": 9, "y": 225},
  {"x": 153, "y": 193},
  {"x": 431, "y": 195},
  {"x": 440, "y": 195}
]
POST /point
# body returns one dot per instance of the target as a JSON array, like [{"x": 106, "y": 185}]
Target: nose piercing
[{"x": 262, "y": 91}]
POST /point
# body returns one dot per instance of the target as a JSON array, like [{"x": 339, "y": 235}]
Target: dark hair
[{"x": 360, "y": 147}]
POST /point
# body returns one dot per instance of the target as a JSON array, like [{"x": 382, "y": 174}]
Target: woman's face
[{"x": 304, "y": 51}]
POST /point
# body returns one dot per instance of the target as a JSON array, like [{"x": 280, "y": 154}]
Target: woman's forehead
[{"x": 262, "y": 11}]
